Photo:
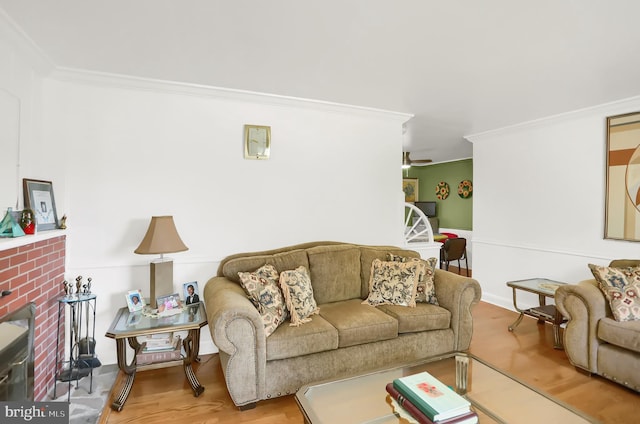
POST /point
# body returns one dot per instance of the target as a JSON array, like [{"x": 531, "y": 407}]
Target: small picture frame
[
  {"x": 191, "y": 293},
  {"x": 135, "y": 301},
  {"x": 169, "y": 303},
  {"x": 38, "y": 196},
  {"x": 257, "y": 142}
]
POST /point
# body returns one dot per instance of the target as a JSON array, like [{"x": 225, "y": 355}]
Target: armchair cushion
[
  {"x": 621, "y": 286},
  {"x": 622, "y": 334}
]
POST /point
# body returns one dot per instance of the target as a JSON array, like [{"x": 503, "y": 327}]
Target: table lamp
[{"x": 162, "y": 237}]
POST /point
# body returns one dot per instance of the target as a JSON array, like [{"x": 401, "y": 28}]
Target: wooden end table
[
  {"x": 126, "y": 328},
  {"x": 545, "y": 313}
]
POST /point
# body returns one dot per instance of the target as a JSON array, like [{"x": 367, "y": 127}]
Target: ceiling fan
[{"x": 407, "y": 161}]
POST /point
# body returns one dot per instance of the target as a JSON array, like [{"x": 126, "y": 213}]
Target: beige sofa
[
  {"x": 593, "y": 339},
  {"x": 346, "y": 337}
]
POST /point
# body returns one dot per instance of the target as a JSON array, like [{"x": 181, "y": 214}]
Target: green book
[{"x": 436, "y": 400}]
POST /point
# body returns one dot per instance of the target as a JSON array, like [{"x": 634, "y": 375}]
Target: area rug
[{"x": 85, "y": 407}]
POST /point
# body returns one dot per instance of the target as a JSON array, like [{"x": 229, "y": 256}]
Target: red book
[{"x": 468, "y": 418}]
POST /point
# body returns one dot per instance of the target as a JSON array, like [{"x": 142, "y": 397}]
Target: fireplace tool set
[{"x": 81, "y": 312}]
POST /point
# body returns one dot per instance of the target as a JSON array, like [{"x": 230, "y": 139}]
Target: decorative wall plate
[
  {"x": 465, "y": 188},
  {"x": 442, "y": 190}
]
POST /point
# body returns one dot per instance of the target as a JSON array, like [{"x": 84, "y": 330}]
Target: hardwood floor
[{"x": 164, "y": 396}]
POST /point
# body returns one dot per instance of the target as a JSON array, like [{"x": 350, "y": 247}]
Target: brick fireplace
[{"x": 32, "y": 268}]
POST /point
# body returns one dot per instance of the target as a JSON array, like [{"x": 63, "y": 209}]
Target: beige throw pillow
[
  {"x": 425, "y": 288},
  {"x": 393, "y": 283},
  {"x": 262, "y": 289},
  {"x": 621, "y": 286},
  {"x": 298, "y": 295}
]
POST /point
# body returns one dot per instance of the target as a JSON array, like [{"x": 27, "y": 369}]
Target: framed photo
[
  {"x": 135, "y": 301},
  {"x": 169, "y": 304},
  {"x": 38, "y": 196},
  {"x": 191, "y": 293},
  {"x": 257, "y": 142},
  {"x": 410, "y": 188}
]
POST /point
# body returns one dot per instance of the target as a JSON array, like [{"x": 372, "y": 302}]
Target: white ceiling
[{"x": 461, "y": 67}]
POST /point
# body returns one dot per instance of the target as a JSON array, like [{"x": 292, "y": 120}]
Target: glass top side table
[
  {"x": 544, "y": 313},
  {"x": 127, "y": 326}
]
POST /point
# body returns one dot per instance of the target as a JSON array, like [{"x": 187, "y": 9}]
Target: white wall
[
  {"x": 119, "y": 150},
  {"x": 130, "y": 149},
  {"x": 538, "y": 206},
  {"x": 21, "y": 68}
]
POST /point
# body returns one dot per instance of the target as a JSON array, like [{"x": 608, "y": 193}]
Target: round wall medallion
[
  {"x": 442, "y": 190},
  {"x": 465, "y": 188}
]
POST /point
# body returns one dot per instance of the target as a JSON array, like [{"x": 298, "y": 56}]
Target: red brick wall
[{"x": 34, "y": 273}]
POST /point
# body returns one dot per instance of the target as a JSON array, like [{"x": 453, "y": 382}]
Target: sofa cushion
[
  {"x": 621, "y": 286},
  {"x": 335, "y": 272},
  {"x": 622, "y": 334},
  {"x": 281, "y": 261},
  {"x": 393, "y": 283},
  {"x": 262, "y": 289},
  {"x": 426, "y": 287},
  {"x": 369, "y": 253},
  {"x": 298, "y": 295},
  {"x": 289, "y": 342},
  {"x": 357, "y": 323},
  {"x": 424, "y": 317}
]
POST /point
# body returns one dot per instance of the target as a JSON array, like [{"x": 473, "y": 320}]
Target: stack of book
[
  {"x": 159, "y": 348},
  {"x": 429, "y": 401}
]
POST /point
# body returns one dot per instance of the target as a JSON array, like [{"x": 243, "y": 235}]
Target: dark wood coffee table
[{"x": 496, "y": 396}]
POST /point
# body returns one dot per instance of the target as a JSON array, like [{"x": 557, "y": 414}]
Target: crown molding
[
  {"x": 25, "y": 46},
  {"x": 173, "y": 87},
  {"x": 629, "y": 104}
]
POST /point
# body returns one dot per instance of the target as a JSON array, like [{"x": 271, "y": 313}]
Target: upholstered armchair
[{"x": 593, "y": 339}]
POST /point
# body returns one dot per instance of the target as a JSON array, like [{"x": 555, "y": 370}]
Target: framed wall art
[
  {"x": 622, "y": 201},
  {"x": 257, "y": 142},
  {"x": 410, "y": 188},
  {"x": 38, "y": 196}
]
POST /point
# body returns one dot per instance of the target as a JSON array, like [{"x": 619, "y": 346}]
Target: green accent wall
[{"x": 454, "y": 211}]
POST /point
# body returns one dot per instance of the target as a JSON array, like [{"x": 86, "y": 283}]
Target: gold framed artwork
[
  {"x": 257, "y": 142},
  {"x": 622, "y": 202},
  {"x": 410, "y": 188}
]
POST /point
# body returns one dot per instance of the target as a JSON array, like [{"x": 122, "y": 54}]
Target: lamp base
[{"x": 161, "y": 280}]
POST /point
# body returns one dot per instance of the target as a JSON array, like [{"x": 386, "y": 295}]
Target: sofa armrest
[
  {"x": 458, "y": 294},
  {"x": 237, "y": 330},
  {"x": 583, "y": 305}
]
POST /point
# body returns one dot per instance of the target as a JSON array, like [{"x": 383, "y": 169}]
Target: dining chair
[{"x": 454, "y": 249}]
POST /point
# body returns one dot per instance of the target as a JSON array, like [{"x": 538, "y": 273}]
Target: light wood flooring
[{"x": 164, "y": 396}]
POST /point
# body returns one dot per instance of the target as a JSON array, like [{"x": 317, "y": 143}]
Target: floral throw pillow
[
  {"x": 298, "y": 295},
  {"x": 425, "y": 288},
  {"x": 262, "y": 289},
  {"x": 393, "y": 283},
  {"x": 621, "y": 286}
]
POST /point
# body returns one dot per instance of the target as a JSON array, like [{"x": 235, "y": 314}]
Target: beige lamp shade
[{"x": 162, "y": 237}]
